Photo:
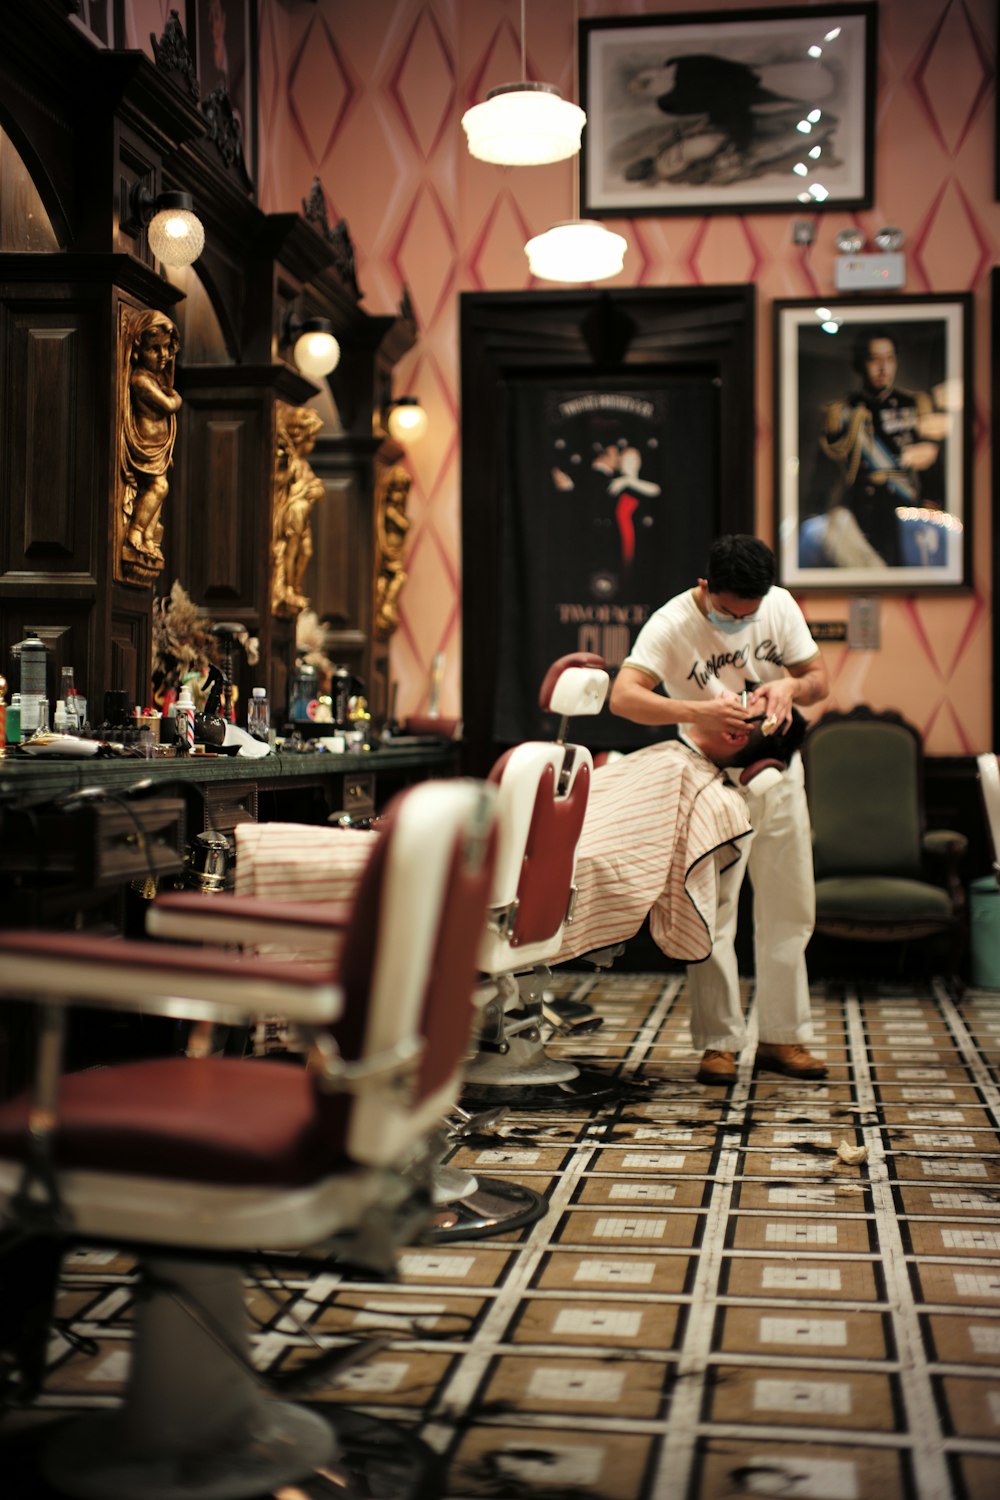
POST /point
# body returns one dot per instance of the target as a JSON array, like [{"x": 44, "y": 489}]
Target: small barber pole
[{"x": 185, "y": 718}]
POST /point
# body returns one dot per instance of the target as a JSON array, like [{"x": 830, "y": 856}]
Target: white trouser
[{"x": 778, "y": 855}]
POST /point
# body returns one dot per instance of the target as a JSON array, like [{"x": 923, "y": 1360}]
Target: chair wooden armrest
[
  {"x": 945, "y": 843},
  {"x": 945, "y": 846}
]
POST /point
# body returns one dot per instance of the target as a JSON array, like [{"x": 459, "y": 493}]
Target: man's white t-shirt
[{"x": 682, "y": 649}]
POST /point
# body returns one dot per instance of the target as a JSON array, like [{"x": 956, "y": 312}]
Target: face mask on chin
[{"x": 730, "y": 627}]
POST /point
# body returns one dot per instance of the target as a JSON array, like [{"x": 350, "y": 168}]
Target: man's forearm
[
  {"x": 643, "y": 706},
  {"x": 812, "y": 687}
]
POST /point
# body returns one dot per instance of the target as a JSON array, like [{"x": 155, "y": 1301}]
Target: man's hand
[
  {"x": 724, "y": 714},
  {"x": 774, "y": 700},
  {"x": 806, "y": 683}
]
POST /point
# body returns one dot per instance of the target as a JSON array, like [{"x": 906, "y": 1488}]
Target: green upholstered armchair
[{"x": 880, "y": 877}]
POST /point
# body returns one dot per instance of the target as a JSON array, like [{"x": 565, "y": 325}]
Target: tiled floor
[{"x": 721, "y": 1300}]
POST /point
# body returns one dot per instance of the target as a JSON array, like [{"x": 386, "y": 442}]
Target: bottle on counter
[
  {"x": 70, "y": 701},
  {"x": 14, "y": 720},
  {"x": 3, "y": 713},
  {"x": 185, "y": 719},
  {"x": 33, "y": 659},
  {"x": 258, "y": 714},
  {"x": 303, "y": 692}
]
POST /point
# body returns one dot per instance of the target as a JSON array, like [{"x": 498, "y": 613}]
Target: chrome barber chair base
[
  {"x": 496, "y": 1207},
  {"x": 373, "y": 1458},
  {"x": 92, "y": 1459},
  {"x": 196, "y": 1423},
  {"x": 523, "y": 1063},
  {"x": 449, "y": 1184},
  {"x": 587, "y": 1088}
]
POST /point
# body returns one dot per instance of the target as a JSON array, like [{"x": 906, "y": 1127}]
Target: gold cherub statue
[{"x": 149, "y": 406}]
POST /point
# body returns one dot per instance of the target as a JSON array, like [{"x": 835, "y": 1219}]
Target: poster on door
[{"x": 610, "y": 503}]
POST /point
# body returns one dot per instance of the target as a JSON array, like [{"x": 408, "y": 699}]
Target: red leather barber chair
[
  {"x": 542, "y": 792},
  {"x": 206, "y": 1166}
]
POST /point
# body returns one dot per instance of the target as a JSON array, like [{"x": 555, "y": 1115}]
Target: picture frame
[
  {"x": 873, "y": 443},
  {"x": 103, "y": 21},
  {"x": 732, "y": 112},
  {"x": 996, "y": 126},
  {"x": 222, "y": 36}
]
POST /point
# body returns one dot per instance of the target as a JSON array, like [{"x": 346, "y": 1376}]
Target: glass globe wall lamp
[
  {"x": 406, "y": 420},
  {"x": 315, "y": 350},
  {"x": 174, "y": 231}
]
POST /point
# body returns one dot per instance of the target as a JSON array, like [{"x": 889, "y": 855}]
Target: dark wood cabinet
[{"x": 87, "y": 127}]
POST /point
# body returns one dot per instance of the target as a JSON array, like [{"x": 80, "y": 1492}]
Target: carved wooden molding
[
  {"x": 172, "y": 54},
  {"x": 339, "y": 237}
]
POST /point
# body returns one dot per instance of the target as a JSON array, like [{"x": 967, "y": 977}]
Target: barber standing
[{"x": 735, "y": 634}]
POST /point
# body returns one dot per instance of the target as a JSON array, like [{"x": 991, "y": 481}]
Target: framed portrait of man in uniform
[{"x": 873, "y": 442}]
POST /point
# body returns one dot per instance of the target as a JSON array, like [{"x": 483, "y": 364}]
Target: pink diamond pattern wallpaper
[{"x": 369, "y": 97}]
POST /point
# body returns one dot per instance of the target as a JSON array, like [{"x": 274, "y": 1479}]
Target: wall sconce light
[
  {"x": 314, "y": 349},
  {"x": 175, "y": 233},
  {"x": 406, "y": 420},
  {"x": 884, "y": 271}
]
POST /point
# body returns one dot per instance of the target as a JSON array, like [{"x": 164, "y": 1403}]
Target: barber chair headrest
[
  {"x": 575, "y": 684},
  {"x": 762, "y": 776}
]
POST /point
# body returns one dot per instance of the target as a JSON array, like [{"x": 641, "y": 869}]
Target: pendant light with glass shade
[
  {"x": 579, "y": 250},
  {"x": 524, "y": 124}
]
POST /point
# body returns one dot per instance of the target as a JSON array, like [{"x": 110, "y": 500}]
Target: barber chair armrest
[
  {"x": 183, "y": 983},
  {"x": 195, "y": 918},
  {"x": 393, "y": 1070}
]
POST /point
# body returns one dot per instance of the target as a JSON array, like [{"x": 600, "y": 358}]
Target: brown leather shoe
[
  {"x": 717, "y": 1067},
  {"x": 791, "y": 1059}
]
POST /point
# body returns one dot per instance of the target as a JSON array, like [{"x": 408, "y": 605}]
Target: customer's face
[
  {"x": 719, "y": 745},
  {"x": 880, "y": 364}
]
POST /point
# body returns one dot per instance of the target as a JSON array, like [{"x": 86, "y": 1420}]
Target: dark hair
[
  {"x": 740, "y": 565},
  {"x": 860, "y": 352},
  {"x": 779, "y": 746}
]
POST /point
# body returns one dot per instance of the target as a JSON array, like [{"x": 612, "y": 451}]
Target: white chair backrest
[
  {"x": 989, "y": 782},
  {"x": 518, "y": 777},
  {"x": 440, "y": 831}
]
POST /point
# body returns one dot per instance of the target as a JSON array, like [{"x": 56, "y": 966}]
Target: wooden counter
[{"x": 72, "y": 830}]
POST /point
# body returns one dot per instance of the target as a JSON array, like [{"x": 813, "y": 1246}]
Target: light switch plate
[{"x": 864, "y": 626}]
